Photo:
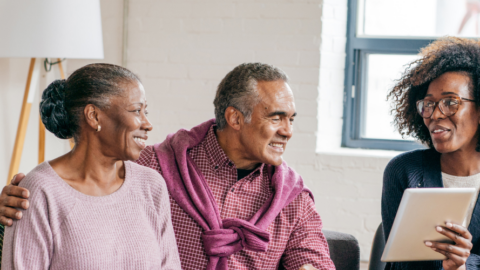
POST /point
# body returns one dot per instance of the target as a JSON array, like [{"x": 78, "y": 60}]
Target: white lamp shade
[{"x": 51, "y": 29}]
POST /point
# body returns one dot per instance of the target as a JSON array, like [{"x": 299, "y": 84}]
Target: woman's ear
[
  {"x": 91, "y": 116},
  {"x": 234, "y": 118}
]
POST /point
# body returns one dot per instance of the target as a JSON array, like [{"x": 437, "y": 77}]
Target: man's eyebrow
[{"x": 282, "y": 113}]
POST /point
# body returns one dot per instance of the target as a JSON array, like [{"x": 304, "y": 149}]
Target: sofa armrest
[{"x": 344, "y": 250}]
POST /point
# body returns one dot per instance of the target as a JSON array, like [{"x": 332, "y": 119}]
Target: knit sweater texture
[
  {"x": 472, "y": 181},
  {"x": 66, "y": 229},
  {"x": 420, "y": 169}
]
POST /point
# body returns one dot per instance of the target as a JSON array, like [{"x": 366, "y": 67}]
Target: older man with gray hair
[{"x": 235, "y": 203}]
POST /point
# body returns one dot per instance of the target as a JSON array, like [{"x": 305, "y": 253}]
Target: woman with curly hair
[{"x": 437, "y": 101}]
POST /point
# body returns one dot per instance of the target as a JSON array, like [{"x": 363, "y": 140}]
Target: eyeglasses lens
[
  {"x": 448, "y": 107},
  {"x": 425, "y": 108}
]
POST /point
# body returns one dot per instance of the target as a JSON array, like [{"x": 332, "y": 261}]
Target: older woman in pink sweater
[{"x": 92, "y": 208}]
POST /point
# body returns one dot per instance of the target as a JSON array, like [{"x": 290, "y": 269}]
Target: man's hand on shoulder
[{"x": 13, "y": 197}]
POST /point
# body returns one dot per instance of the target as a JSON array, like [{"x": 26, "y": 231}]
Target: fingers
[
  {"x": 14, "y": 202},
  {"x": 13, "y": 197},
  {"x": 6, "y": 221},
  {"x": 7, "y": 214},
  {"x": 461, "y": 230},
  {"x": 457, "y": 260},
  {"x": 456, "y": 254},
  {"x": 448, "y": 248},
  {"x": 12, "y": 190},
  {"x": 459, "y": 238},
  {"x": 17, "y": 178},
  {"x": 10, "y": 213}
]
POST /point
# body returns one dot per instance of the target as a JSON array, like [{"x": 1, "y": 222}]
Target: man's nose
[{"x": 287, "y": 129}]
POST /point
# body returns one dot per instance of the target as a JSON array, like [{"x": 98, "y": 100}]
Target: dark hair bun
[{"x": 52, "y": 110}]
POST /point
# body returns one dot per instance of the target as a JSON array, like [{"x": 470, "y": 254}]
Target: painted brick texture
[{"x": 182, "y": 49}]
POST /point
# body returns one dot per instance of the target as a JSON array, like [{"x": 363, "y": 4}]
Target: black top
[
  {"x": 242, "y": 173},
  {"x": 418, "y": 169}
]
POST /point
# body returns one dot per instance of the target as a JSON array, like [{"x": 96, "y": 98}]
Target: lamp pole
[{"x": 28, "y": 96}]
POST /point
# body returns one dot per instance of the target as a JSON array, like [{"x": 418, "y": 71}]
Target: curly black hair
[{"x": 444, "y": 55}]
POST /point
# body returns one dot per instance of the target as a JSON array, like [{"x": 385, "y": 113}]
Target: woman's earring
[{"x": 99, "y": 128}]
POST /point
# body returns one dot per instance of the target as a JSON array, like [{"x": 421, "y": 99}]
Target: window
[{"x": 382, "y": 38}]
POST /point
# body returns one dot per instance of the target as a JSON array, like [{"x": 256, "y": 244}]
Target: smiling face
[
  {"x": 124, "y": 125},
  {"x": 265, "y": 138},
  {"x": 459, "y": 131}
]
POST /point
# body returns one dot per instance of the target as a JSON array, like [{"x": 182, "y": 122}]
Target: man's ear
[
  {"x": 234, "y": 118},
  {"x": 91, "y": 116}
]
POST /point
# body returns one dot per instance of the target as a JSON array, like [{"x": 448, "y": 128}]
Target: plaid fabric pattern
[{"x": 296, "y": 234}]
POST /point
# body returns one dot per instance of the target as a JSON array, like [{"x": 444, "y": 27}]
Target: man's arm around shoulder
[{"x": 13, "y": 197}]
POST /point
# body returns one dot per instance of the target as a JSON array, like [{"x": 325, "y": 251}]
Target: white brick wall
[
  {"x": 348, "y": 181},
  {"x": 194, "y": 44},
  {"x": 182, "y": 49}
]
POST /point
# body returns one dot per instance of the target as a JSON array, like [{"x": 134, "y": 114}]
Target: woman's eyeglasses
[{"x": 448, "y": 106}]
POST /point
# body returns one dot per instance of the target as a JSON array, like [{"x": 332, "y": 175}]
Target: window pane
[
  {"x": 418, "y": 18},
  {"x": 383, "y": 71}
]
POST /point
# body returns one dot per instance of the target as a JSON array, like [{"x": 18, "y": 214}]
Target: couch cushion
[{"x": 344, "y": 250}]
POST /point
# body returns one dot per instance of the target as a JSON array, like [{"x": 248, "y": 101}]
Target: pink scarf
[{"x": 187, "y": 185}]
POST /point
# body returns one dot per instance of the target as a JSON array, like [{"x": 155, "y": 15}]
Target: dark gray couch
[{"x": 344, "y": 250}]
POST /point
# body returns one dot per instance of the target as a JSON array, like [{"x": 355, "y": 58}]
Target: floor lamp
[{"x": 47, "y": 29}]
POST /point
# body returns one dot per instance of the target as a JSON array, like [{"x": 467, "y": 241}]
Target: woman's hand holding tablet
[
  {"x": 458, "y": 253},
  {"x": 418, "y": 233}
]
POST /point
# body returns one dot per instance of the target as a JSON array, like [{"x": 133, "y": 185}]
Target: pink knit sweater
[{"x": 66, "y": 229}]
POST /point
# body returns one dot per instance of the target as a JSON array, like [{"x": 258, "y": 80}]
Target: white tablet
[{"x": 420, "y": 211}]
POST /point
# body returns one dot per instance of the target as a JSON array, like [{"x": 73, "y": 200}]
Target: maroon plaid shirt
[{"x": 296, "y": 234}]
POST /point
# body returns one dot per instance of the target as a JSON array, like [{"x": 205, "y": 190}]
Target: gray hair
[
  {"x": 63, "y": 102},
  {"x": 239, "y": 89}
]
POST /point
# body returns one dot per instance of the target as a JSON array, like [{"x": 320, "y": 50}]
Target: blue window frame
[{"x": 358, "y": 48}]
